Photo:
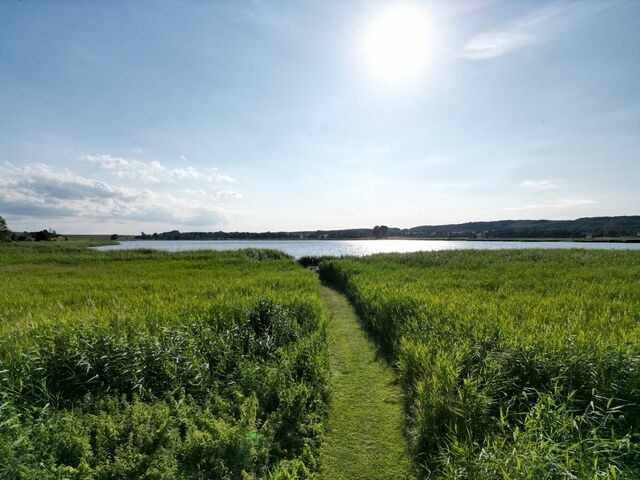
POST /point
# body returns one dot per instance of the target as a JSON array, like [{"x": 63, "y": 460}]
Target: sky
[{"x": 122, "y": 117}]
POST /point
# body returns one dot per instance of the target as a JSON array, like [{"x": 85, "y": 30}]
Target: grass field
[
  {"x": 143, "y": 364},
  {"x": 515, "y": 364}
]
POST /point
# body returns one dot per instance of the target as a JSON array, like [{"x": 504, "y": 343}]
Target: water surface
[{"x": 301, "y": 248}]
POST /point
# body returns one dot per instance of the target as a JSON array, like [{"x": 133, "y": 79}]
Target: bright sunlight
[{"x": 396, "y": 43}]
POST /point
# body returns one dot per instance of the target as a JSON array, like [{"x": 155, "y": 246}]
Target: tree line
[
  {"x": 582, "y": 228},
  {"x": 589, "y": 228},
  {"x": 7, "y": 235}
]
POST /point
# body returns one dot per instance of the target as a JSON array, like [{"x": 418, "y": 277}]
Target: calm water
[{"x": 300, "y": 248}]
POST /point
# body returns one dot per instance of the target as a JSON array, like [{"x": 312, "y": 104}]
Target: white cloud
[
  {"x": 222, "y": 178},
  {"x": 44, "y": 193},
  {"x": 226, "y": 194},
  {"x": 125, "y": 168},
  {"x": 540, "y": 184},
  {"x": 211, "y": 175},
  {"x": 195, "y": 191},
  {"x": 182, "y": 173},
  {"x": 46, "y": 181},
  {"x": 221, "y": 194},
  {"x": 153, "y": 171},
  {"x": 530, "y": 29}
]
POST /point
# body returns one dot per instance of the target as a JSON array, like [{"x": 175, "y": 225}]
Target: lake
[{"x": 301, "y": 248}]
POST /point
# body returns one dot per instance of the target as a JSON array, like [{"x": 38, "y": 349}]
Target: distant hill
[
  {"x": 591, "y": 228},
  {"x": 580, "y": 228}
]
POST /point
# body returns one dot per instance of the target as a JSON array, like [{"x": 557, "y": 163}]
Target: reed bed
[
  {"x": 514, "y": 364},
  {"x": 150, "y": 365}
]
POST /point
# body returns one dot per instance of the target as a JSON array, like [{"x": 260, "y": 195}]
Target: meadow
[
  {"x": 127, "y": 364},
  {"x": 514, "y": 364},
  {"x": 150, "y": 365}
]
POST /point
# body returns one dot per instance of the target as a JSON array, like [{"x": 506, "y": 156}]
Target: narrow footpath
[{"x": 365, "y": 429}]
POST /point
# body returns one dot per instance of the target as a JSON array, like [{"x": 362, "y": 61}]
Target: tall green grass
[
  {"x": 143, "y": 364},
  {"x": 515, "y": 364}
]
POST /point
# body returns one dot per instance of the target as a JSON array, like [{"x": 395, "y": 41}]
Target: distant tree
[
  {"x": 44, "y": 235},
  {"x": 5, "y": 233},
  {"x": 380, "y": 231},
  {"x": 115, "y": 236}
]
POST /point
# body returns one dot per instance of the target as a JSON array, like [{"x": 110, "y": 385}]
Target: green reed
[
  {"x": 143, "y": 364},
  {"x": 515, "y": 364}
]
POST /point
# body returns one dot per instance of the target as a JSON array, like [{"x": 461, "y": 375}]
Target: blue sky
[{"x": 149, "y": 116}]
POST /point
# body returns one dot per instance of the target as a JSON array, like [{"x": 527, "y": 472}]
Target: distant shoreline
[
  {"x": 438, "y": 239},
  {"x": 620, "y": 229}
]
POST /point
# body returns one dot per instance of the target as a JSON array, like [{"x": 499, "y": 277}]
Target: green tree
[
  {"x": 42, "y": 236},
  {"x": 5, "y": 233},
  {"x": 380, "y": 231}
]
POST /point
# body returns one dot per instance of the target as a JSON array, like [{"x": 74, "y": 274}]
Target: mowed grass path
[{"x": 365, "y": 429}]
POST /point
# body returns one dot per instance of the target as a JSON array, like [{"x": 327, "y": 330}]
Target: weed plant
[
  {"x": 515, "y": 364},
  {"x": 150, "y": 365}
]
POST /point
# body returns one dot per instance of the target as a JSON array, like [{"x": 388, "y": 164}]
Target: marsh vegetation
[
  {"x": 142, "y": 364},
  {"x": 514, "y": 364}
]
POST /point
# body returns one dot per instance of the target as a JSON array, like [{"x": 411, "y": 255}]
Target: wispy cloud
[
  {"x": 215, "y": 195},
  {"x": 226, "y": 194},
  {"x": 153, "y": 171},
  {"x": 494, "y": 44},
  {"x": 531, "y": 29},
  {"x": 559, "y": 203},
  {"x": 572, "y": 202},
  {"x": 125, "y": 168},
  {"x": 210, "y": 175},
  {"x": 539, "y": 184},
  {"x": 181, "y": 173}
]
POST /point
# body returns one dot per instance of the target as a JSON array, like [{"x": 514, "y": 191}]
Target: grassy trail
[{"x": 365, "y": 430}]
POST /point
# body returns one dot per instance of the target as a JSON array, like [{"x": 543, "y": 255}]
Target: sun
[{"x": 396, "y": 43}]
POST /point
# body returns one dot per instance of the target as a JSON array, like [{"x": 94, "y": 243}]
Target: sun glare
[{"x": 396, "y": 43}]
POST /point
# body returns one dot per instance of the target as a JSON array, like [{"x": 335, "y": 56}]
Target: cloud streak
[
  {"x": 539, "y": 184},
  {"x": 531, "y": 29},
  {"x": 495, "y": 44},
  {"x": 560, "y": 203}
]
